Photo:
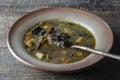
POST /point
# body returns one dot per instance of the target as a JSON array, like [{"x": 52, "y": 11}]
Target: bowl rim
[{"x": 64, "y": 65}]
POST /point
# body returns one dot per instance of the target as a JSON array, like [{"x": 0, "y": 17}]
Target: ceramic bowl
[{"x": 99, "y": 28}]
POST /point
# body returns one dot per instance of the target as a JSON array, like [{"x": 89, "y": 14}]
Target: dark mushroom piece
[
  {"x": 64, "y": 36},
  {"x": 66, "y": 44},
  {"x": 36, "y": 30}
]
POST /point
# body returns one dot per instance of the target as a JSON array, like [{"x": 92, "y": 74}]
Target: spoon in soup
[
  {"x": 61, "y": 40},
  {"x": 102, "y": 53}
]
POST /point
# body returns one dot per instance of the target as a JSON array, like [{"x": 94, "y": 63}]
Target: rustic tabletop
[{"x": 11, "y": 10}]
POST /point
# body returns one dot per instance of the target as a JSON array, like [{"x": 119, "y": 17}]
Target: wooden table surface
[{"x": 11, "y": 10}]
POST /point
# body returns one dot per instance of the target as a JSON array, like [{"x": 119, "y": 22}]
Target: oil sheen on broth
[{"x": 50, "y": 41}]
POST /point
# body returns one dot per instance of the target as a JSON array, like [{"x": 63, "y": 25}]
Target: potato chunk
[
  {"x": 40, "y": 55},
  {"x": 79, "y": 54},
  {"x": 63, "y": 51},
  {"x": 79, "y": 40},
  {"x": 65, "y": 60},
  {"x": 47, "y": 26},
  {"x": 30, "y": 42},
  {"x": 68, "y": 31}
]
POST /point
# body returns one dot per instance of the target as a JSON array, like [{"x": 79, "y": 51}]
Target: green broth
[{"x": 54, "y": 54}]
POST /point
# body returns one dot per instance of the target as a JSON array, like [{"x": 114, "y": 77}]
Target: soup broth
[{"x": 50, "y": 41}]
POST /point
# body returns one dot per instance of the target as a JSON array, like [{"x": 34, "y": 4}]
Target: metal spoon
[{"x": 102, "y": 53}]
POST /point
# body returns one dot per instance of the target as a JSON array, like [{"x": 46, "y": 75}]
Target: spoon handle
[{"x": 102, "y": 53}]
